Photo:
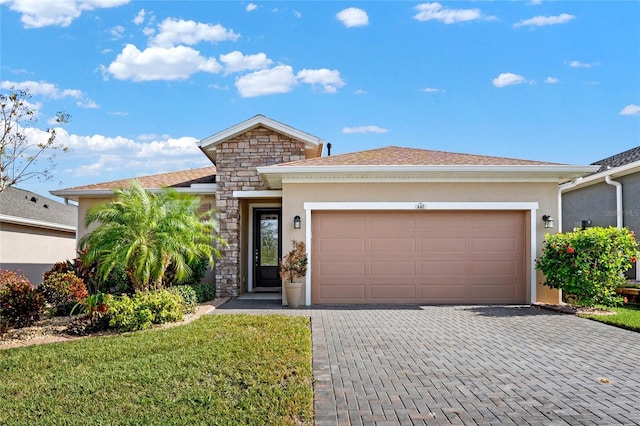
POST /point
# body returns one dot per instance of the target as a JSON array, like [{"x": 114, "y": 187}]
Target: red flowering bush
[
  {"x": 20, "y": 305},
  {"x": 588, "y": 264},
  {"x": 63, "y": 290}
]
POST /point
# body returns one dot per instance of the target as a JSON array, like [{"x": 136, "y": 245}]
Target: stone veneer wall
[{"x": 236, "y": 162}]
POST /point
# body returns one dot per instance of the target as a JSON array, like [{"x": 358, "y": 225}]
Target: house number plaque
[{"x": 420, "y": 206}]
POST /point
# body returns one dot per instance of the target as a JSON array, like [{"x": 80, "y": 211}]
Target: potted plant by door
[{"x": 293, "y": 269}]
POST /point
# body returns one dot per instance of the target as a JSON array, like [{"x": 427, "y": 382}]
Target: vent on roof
[
  {"x": 46, "y": 206},
  {"x": 329, "y": 149},
  {"x": 34, "y": 199}
]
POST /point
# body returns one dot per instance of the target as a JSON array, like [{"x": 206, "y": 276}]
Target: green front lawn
[
  {"x": 626, "y": 317},
  {"x": 220, "y": 369}
]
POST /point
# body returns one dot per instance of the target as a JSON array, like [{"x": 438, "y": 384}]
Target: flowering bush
[
  {"x": 588, "y": 264},
  {"x": 63, "y": 290},
  {"x": 20, "y": 305},
  {"x": 294, "y": 263}
]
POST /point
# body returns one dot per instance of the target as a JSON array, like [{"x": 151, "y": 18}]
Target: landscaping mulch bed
[{"x": 573, "y": 310}]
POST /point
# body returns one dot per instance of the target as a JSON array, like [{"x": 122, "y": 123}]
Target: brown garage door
[{"x": 418, "y": 257}]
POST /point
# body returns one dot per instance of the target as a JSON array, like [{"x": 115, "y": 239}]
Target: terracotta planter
[{"x": 294, "y": 293}]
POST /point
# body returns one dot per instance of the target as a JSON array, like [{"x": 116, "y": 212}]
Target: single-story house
[
  {"x": 35, "y": 233},
  {"x": 388, "y": 225},
  {"x": 608, "y": 197}
]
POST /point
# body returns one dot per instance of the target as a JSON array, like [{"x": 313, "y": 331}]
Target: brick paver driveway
[{"x": 467, "y": 365}]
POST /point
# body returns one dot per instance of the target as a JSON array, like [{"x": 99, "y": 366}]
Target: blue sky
[{"x": 144, "y": 80}]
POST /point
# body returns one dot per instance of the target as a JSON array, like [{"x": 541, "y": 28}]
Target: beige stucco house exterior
[{"x": 388, "y": 225}]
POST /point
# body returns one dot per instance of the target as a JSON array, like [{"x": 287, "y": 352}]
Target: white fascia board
[
  {"x": 257, "y": 194},
  {"x": 582, "y": 182},
  {"x": 36, "y": 223},
  {"x": 274, "y": 176},
  {"x": 205, "y": 189},
  {"x": 259, "y": 120}
]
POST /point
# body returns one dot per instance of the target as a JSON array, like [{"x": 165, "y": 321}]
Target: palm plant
[{"x": 146, "y": 232}]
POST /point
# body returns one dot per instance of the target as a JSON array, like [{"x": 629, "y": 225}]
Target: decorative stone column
[{"x": 236, "y": 161}]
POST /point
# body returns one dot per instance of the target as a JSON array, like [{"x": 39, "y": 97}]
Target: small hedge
[
  {"x": 204, "y": 292},
  {"x": 20, "y": 304},
  {"x": 589, "y": 264},
  {"x": 188, "y": 295},
  {"x": 63, "y": 290},
  {"x": 142, "y": 310}
]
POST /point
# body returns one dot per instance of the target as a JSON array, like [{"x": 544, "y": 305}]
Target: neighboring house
[
  {"x": 388, "y": 225},
  {"x": 35, "y": 233},
  {"x": 608, "y": 197}
]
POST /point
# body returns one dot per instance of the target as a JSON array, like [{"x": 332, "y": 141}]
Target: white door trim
[{"x": 532, "y": 207}]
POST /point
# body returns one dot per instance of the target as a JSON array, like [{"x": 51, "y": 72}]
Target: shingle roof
[
  {"x": 399, "y": 156},
  {"x": 29, "y": 205},
  {"x": 620, "y": 159},
  {"x": 179, "y": 179}
]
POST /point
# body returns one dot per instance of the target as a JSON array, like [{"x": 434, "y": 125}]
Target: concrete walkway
[{"x": 471, "y": 365}]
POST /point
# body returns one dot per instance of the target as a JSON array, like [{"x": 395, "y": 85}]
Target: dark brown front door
[{"x": 267, "y": 247}]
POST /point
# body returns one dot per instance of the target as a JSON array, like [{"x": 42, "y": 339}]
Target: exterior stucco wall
[
  {"x": 236, "y": 162},
  {"x": 34, "y": 250},
  {"x": 546, "y": 194}
]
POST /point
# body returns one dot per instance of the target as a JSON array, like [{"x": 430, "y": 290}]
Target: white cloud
[
  {"x": 541, "y": 21},
  {"x": 578, "y": 64},
  {"x": 432, "y": 90},
  {"x": 365, "y": 129},
  {"x": 117, "y": 32},
  {"x": 435, "y": 11},
  {"x": 535, "y": 2},
  {"x": 251, "y": 7},
  {"x": 508, "y": 79},
  {"x": 297, "y": 14},
  {"x": 551, "y": 80},
  {"x": 360, "y": 92},
  {"x": 279, "y": 79},
  {"x": 139, "y": 19},
  {"x": 96, "y": 155},
  {"x": 237, "y": 62},
  {"x": 38, "y": 13},
  {"x": 173, "y": 32},
  {"x": 49, "y": 90},
  {"x": 159, "y": 63},
  {"x": 353, "y": 17},
  {"x": 630, "y": 109},
  {"x": 330, "y": 80}
]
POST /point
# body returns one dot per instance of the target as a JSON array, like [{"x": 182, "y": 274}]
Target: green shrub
[
  {"x": 20, "y": 304},
  {"x": 63, "y": 290},
  {"x": 588, "y": 264},
  {"x": 164, "y": 306},
  {"x": 204, "y": 292},
  {"x": 188, "y": 296},
  {"x": 142, "y": 310}
]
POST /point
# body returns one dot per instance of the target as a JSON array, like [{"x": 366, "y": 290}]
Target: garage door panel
[
  {"x": 343, "y": 292},
  {"x": 442, "y": 268},
  {"x": 494, "y": 269},
  {"x": 418, "y": 257},
  {"x": 392, "y": 245},
  {"x": 342, "y": 269},
  {"x": 339, "y": 245},
  {"x": 381, "y": 293},
  {"x": 393, "y": 269},
  {"x": 492, "y": 244},
  {"x": 443, "y": 244}
]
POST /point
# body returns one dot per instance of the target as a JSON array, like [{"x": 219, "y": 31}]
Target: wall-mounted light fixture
[
  {"x": 586, "y": 224},
  {"x": 297, "y": 222},
  {"x": 548, "y": 221}
]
